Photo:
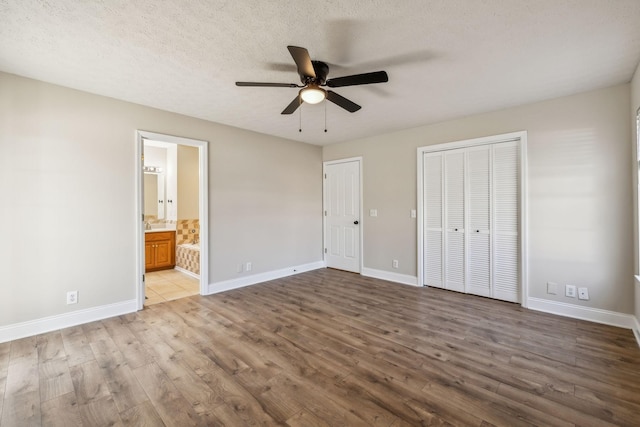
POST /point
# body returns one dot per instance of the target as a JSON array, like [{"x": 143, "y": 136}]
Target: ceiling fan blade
[
  {"x": 359, "y": 79},
  {"x": 260, "y": 84},
  {"x": 303, "y": 61},
  {"x": 343, "y": 102},
  {"x": 293, "y": 106}
]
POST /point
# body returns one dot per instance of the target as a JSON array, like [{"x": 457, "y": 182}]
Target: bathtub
[
  {"x": 192, "y": 246},
  {"x": 188, "y": 257}
]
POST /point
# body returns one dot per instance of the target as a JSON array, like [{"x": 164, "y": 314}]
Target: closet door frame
[{"x": 520, "y": 137}]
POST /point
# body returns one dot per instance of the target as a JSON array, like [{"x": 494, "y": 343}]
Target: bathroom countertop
[{"x": 155, "y": 230}]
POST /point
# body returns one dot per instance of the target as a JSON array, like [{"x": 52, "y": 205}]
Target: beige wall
[
  {"x": 579, "y": 195},
  {"x": 635, "y": 106},
  {"x": 57, "y": 146},
  {"x": 188, "y": 182},
  {"x": 68, "y": 217}
]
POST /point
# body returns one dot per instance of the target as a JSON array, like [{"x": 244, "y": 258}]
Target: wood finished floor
[{"x": 325, "y": 348}]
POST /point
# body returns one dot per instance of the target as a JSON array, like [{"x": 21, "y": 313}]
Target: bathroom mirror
[{"x": 154, "y": 195}]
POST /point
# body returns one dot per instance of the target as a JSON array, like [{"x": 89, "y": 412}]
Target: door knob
[{"x": 355, "y": 222}]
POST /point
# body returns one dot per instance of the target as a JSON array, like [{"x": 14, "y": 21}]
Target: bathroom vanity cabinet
[{"x": 160, "y": 250}]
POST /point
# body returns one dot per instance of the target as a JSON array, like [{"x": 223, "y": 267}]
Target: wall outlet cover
[
  {"x": 583, "y": 293},
  {"x": 552, "y": 288},
  {"x": 72, "y": 297}
]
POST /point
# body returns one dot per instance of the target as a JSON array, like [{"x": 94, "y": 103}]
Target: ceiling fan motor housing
[{"x": 322, "y": 70}]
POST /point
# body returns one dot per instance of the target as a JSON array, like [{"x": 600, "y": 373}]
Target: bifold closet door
[
  {"x": 479, "y": 217},
  {"x": 472, "y": 219},
  {"x": 433, "y": 220},
  {"x": 506, "y": 221},
  {"x": 454, "y": 193}
]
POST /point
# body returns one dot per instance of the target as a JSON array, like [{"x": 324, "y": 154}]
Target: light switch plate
[
  {"x": 570, "y": 291},
  {"x": 373, "y": 212}
]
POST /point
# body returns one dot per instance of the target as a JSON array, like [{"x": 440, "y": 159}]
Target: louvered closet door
[
  {"x": 454, "y": 220},
  {"x": 433, "y": 212},
  {"x": 479, "y": 217},
  {"x": 506, "y": 214}
]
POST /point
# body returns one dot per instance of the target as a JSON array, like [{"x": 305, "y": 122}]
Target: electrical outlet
[
  {"x": 72, "y": 297},
  {"x": 552, "y": 288},
  {"x": 570, "y": 291},
  {"x": 413, "y": 213},
  {"x": 240, "y": 268},
  {"x": 394, "y": 264},
  {"x": 248, "y": 266},
  {"x": 583, "y": 293}
]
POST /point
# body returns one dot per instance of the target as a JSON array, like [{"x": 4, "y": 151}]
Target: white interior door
[
  {"x": 455, "y": 221},
  {"x": 506, "y": 221},
  {"x": 479, "y": 216},
  {"x": 433, "y": 220},
  {"x": 342, "y": 215}
]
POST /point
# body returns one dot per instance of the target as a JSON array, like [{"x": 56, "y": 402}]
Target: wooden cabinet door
[
  {"x": 160, "y": 250},
  {"x": 163, "y": 252},
  {"x": 149, "y": 255}
]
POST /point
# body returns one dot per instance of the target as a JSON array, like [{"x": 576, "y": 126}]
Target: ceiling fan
[{"x": 313, "y": 75}]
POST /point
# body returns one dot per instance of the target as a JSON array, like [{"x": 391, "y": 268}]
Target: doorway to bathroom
[{"x": 172, "y": 231}]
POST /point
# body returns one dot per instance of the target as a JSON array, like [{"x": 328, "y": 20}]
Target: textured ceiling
[{"x": 445, "y": 59}]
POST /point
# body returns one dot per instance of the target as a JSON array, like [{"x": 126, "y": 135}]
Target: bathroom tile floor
[{"x": 167, "y": 285}]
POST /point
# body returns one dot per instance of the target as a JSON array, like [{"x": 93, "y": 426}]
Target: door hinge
[
  {"x": 143, "y": 278},
  {"x": 325, "y": 213},
  {"x": 325, "y": 250},
  {"x": 142, "y": 217},
  {"x": 325, "y": 176}
]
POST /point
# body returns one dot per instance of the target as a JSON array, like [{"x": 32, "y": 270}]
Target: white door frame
[
  {"x": 203, "y": 159},
  {"x": 522, "y": 137},
  {"x": 324, "y": 206}
]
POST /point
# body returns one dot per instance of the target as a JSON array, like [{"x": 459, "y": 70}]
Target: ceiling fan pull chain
[
  {"x": 300, "y": 126},
  {"x": 325, "y": 116}
]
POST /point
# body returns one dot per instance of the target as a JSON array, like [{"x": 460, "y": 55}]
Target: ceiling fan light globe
[{"x": 313, "y": 95}]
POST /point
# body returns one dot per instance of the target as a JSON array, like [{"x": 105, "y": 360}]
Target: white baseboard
[
  {"x": 227, "y": 285},
  {"x": 404, "y": 279},
  {"x": 53, "y": 323},
  {"x": 636, "y": 329},
  {"x": 597, "y": 315}
]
